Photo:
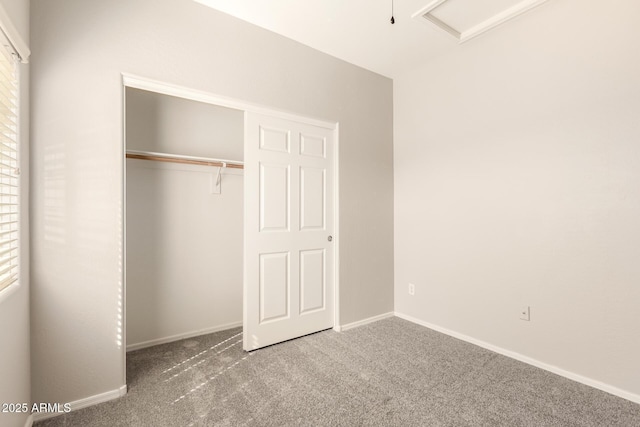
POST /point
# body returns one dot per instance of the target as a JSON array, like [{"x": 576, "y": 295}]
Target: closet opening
[
  {"x": 184, "y": 218},
  {"x": 231, "y": 233}
]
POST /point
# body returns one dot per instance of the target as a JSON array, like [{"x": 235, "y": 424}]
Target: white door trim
[
  {"x": 144, "y": 83},
  {"x": 137, "y": 82},
  {"x": 336, "y": 228}
]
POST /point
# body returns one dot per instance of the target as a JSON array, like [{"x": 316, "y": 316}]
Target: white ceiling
[{"x": 358, "y": 31}]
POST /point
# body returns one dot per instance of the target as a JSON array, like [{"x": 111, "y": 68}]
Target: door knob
[{"x": 330, "y": 238}]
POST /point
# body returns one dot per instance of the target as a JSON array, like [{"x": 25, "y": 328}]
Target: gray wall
[
  {"x": 15, "y": 382},
  {"x": 79, "y": 50},
  {"x": 517, "y": 184}
]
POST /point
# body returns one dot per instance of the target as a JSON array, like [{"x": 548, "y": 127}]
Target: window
[{"x": 9, "y": 166}]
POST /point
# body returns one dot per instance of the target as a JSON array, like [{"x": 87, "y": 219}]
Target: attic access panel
[{"x": 466, "y": 19}]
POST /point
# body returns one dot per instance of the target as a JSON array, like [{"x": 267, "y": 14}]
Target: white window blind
[{"x": 9, "y": 183}]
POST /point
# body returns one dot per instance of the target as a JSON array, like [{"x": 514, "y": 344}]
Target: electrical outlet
[
  {"x": 412, "y": 289},
  {"x": 525, "y": 313}
]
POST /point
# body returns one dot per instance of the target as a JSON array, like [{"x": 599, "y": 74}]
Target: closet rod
[{"x": 177, "y": 158}]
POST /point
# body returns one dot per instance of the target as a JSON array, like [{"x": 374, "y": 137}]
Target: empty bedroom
[{"x": 323, "y": 212}]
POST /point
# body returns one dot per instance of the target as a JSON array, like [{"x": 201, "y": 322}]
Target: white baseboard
[
  {"x": 83, "y": 403},
  {"x": 528, "y": 360},
  {"x": 362, "y": 322},
  {"x": 29, "y": 421},
  {"x": 151, "y": 343}
]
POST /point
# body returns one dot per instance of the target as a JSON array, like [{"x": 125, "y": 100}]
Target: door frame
[{"x": 143, "y": 83}]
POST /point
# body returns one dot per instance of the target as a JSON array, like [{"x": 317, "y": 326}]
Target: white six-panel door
[{"x": 289, "y": 220}]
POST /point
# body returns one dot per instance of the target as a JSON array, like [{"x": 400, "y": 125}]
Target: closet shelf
[{"x": 190, "y": 160}]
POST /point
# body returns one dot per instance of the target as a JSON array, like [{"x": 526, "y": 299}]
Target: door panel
[
  {"x": 312, "y": 204},
  {"x": 313, "y": 146},
  {"x": 274, "y": 197},
  {"x": 274, "y": 139},
  {"x": 312, "y": 284},
  {"x": 274, "y": 286},
  {"x": 289, "y": 258}
]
